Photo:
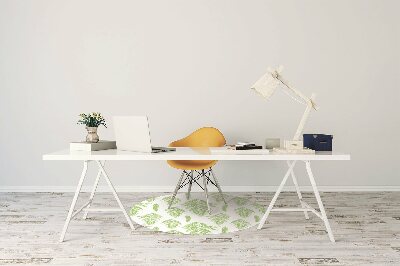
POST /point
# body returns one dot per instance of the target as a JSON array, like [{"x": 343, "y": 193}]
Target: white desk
[{"x": 100, "y": 157}]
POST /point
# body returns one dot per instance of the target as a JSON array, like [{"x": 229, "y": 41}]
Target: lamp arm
[
  {"x": 297, "y": 92},
  {"x": 310, "y": 105}
]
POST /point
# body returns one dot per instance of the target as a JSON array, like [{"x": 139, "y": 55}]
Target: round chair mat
[{"x": 190, "y": 216}]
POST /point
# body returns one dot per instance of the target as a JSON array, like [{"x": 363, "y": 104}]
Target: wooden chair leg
[
  {"x": 206, "y": 190},
  {"x": 176, "y": 189},
  {"x": 217, "y": 183},
  {"x": 190, "y": 184}
]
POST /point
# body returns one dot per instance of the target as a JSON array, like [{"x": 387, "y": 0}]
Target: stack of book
[{"x": 98, "y": 146}]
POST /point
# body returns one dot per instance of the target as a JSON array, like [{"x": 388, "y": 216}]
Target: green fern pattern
[
  {"x": 175, "y": 212},
  {"x": 198, "y": 207},
  {"x": 218, "y": 197},
  {"x": 190, "y": 216},
  {"x": 219, "y": 218},
  {"x": 243, "y": 212},
  {"x": 197, "y": 228},
  {"x": 155, "y": 207},
  {"x": 135, "y": 210},
  {"x": 259, "y": 207},
  {"x": 169, "y": 198},
  {"x": 151, "y": 218},
  {"x": 240, "y": 224},
  {"x": 171, "y": 224}
]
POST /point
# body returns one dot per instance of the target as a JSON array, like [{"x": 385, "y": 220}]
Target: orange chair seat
[
  {"x": 203, "y": 137},
  {"x": 191, "y": 165}
]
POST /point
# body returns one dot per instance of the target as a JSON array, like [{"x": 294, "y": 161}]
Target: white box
[
  {"x": 293, "y": 144},
  {"x": 271, "y": 143}
]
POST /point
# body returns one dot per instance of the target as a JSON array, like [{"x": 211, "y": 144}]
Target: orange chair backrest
[{"x": 203, "y": 137}]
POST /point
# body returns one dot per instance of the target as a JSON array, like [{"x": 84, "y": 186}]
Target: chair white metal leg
[
  {"x": 96, "y": 182},
  {"x": 176, "y": 189},
  {"x": 71, "y": 209},
  {"x": 206, "y": 190},
  {"x": 320, "y": 205},
  {"x": 298, "y": 191},
  {"x": 115, "y": 195},
  {"x": 217, "y": 183},
  {"x": 190, "y": 184},
  {"x": 271, "y": 205}
]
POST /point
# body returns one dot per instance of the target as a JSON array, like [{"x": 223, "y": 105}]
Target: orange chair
[{"x": 194, "y": 170}]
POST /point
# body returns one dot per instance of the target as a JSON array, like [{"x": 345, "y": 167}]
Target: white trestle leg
[
  {"x": 128, "y": 219},
  {"x": 298, "y": 191},
  {"x": 320, "y": 205},
  {"x": 96, "y": 182},
  {"x": 304, "y": 206},
  {"x": 278, "y": 191},
  {"x": 86, "y": 207},
  {"x": 71, "y": 209}
]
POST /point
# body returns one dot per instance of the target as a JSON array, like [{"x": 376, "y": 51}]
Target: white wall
[{"x": 188, "y": 64}]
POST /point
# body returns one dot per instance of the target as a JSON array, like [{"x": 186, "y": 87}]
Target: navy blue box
[{"x": 318, "y": 142}]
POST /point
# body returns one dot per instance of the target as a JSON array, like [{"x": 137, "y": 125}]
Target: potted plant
[{"x": 92, "y": 121}]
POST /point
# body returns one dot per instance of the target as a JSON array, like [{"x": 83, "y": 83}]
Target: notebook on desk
[{"x": 229, "y": 150}]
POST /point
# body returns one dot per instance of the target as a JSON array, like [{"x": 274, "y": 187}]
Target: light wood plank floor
[{"x": 366, "y": 226}]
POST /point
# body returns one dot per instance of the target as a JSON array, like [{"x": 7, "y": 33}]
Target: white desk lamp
[{"x": 266, "y": 86}]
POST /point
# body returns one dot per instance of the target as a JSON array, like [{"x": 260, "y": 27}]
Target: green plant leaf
[
  {"x": 240, "y": 224},
  {"x": 171, "y": 223},
  {"x": 134, "y": 210},
  {"x": 243, "y": 212},
  {"x": 197, "y": 228},
  {"x": 150, "y": 218},
  {"x": 219, "y": 218},
  {"x": 155, "y": 207},
  {"x": 260, "y": 208},
  {"x": 175, "y": 212},
  {"x": 218, "y": 197},
  {"x": 198, "y": 207},
  {"x": 224, "y": 230},
  {"x": 188, "y": 218},
  {"x": 169, "y": 198}
]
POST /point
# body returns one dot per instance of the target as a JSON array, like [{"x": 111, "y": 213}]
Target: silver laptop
[{"x": 132, "y": 133}]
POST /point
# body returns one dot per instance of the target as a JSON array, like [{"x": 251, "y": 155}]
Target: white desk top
[{"x": 189, "y": 154}]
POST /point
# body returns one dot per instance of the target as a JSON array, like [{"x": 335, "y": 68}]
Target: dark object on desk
[
  {"x": 162, "y": 149},
  {"x": 318, "y": 142},
  {"x": 248, "y": 147}
]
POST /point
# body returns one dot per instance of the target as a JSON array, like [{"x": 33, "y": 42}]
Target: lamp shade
[{"x": 267, "y": 84}]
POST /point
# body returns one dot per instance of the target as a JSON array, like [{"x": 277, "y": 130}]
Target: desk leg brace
[
  {"x": 304, "y": 206},
  {"x": 86, "y": 206},
  {"x": 96, "y": 182},
  {"x": 294, "y": 179}
]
